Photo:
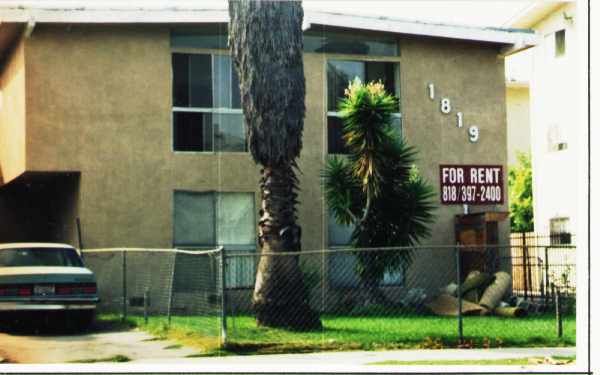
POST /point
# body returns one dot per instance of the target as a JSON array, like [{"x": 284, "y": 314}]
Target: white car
[{"x": 45, "y": 278}]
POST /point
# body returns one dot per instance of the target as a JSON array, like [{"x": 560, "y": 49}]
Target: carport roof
[{"x": 13, "y": 11}]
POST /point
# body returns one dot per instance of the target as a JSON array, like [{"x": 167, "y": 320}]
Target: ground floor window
[
  {"x": 342, "y": 266},
  {"x": 559, "y": 231},
  {"x": 210, "y": 219}
]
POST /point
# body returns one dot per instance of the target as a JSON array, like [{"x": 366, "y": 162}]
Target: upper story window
[
  {"x": 556, "y": 139},
  {"x": 350, "y": 42},
  {"x": 210, "y": 36},
  {"x": 339, "y": 75},
  {"x": 559, "y": 43},
  {"x": 317, "y": 39},
  {"x": 207, "y": 113}
]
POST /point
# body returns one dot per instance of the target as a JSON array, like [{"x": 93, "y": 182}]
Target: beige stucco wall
[
  {"x": 472, "y": 76},
  {"x": 99, "y": 102},
  {"x": 12, "y": 114},
  {"x": 517, "y": 121}
]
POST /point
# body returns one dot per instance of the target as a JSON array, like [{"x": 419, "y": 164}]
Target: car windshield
[{"x": 39, "y": 256}]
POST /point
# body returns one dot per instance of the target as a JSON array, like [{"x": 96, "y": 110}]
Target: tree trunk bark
[{"x": 281, "y": 298}]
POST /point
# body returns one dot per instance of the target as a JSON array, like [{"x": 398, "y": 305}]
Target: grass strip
[
  {"x": 502, "y": 361},
  {"x": 343, "y": 333},
  {"x": 115, "y": 358}
]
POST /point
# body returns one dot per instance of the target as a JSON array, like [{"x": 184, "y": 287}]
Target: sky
[{"x": 474, "y": 13}]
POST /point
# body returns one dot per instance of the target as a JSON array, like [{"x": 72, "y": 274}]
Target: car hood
[{"x": 19, "y": 275}]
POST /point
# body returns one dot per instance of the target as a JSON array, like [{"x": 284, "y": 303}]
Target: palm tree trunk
[{"x": 280, "y": 295}]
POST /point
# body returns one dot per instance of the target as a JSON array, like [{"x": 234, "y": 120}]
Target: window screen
[
  {"x": 210, "y": 219},
  {"x": 235, "y": 219},
  {"x": 194, "y": 223}
]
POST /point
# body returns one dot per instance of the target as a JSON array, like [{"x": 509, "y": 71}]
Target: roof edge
[{"x": 212, "y": 15}]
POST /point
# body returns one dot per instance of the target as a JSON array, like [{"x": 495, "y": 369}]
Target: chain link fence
[
  {"x": 162, "y": 287},
  {"x": 440, "y": 296}
]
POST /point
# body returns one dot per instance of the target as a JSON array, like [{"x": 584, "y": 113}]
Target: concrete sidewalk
[
  {"x": 361, "y": 360},
  {"x": 324, "y": 362}
]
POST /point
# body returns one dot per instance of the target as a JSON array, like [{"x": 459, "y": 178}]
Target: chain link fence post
[
  {"x": 170, "y": 300},
  {"x": 558, "y": 303},
  {"x": 124, "y": 276},
  {"x": 459, "y": 294},
  {"x": 223, "y": 297}
]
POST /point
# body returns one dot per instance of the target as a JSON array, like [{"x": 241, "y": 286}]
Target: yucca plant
[{"x": 376, "y": 188}]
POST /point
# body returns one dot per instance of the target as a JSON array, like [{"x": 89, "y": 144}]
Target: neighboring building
[
  {"x": 554, "y": 97},
  {"x": 518, "y": 72},
  {"x": 130, "y": 120}
]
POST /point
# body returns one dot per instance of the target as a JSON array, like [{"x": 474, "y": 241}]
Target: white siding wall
[{"x": 555, "y": 105}]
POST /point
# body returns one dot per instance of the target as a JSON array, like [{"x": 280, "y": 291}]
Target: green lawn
[
  {"x": 364, "y": 333},
  {"x": 488, "y": 362}
]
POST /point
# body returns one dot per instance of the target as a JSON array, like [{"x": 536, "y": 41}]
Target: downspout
[{"x": 29, "y": 27}]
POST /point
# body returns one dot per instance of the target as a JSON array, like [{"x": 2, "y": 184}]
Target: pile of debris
[{"x": 482, "y": 294}]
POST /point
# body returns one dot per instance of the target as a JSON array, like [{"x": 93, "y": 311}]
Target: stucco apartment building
[{"x": 130, "y": 120}]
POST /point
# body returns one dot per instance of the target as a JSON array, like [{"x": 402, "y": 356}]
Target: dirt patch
[{"x": 94, "y": 346}]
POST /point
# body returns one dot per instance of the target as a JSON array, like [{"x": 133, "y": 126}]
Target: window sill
[{"x": 210, "y": 152}]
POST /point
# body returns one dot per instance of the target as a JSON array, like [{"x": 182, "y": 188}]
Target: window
[
  {"x": 213, "y": 36},
  {"x": 339, "y": 74},
  {"x": 207, "y": 113},
  {"x": 317, "y": 39},
  {"x": 559, "y": 231},
  {"x": 210, "y": 219},
  {"x": 350, "y": 42},
  {"x": 342, "y": 266},
  {"x": 556, "y": 141},
  {"x": 559, "y": 43}
]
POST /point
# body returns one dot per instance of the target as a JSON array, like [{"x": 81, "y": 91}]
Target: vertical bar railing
[
  {"x": 546, "y": 275},
  {"x": 524, "y": 266},
  {"x": 558, "y": 303},
  {"x": 459, "y": 294}
]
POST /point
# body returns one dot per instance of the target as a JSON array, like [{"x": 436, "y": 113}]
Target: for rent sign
[{"x": 471, "y": 184}]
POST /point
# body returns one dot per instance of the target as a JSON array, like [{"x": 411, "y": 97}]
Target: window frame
[
  {"x": 214, "y": 110},
  {"x": 563, "y": 237},
  {"x": 363, "y": 59}
]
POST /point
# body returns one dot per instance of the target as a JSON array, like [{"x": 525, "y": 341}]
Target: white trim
[
  {"x": 88, "y": 15},
  {"x": 223, "y": 111},
  {"x": 493, "y": 35},
  {"x": 173, "y": 15}
]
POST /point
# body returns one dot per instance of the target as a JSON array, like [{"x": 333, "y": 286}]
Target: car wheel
[{"x": 83, "y": 319}]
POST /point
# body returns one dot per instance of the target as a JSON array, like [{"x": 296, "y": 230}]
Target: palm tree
[
  {"x": 265, "y": 39},
  {"x": 376, "y": 188}
]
